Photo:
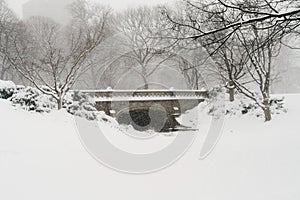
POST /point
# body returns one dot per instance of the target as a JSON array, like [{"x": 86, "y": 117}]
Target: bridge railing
[{"x": 107, "y": 95}]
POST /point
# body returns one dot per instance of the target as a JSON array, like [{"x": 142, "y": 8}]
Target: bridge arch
[{"x": 153, "y": 117}]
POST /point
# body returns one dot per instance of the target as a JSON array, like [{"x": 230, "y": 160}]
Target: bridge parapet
[{"x": 146, "y": 95}]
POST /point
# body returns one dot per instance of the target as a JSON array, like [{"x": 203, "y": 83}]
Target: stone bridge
[{"x": 147, "y": 109}]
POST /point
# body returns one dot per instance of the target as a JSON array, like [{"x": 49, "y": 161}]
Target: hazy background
[
  {"x": 287, "y": 64},
  {"x": 16, "y": 5}
]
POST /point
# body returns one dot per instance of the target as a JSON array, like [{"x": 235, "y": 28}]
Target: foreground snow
[{"x": 41, "y": 157}]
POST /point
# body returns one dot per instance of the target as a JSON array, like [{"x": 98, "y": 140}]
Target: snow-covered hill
[{"x": 41, "y": 157}]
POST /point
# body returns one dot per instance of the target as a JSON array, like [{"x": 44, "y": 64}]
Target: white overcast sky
[{"x": 16, "y": 5}]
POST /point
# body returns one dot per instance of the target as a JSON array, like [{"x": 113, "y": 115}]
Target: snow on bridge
[{"x": 146, "y": 95}]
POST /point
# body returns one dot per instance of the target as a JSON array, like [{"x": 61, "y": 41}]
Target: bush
[
  {"x": 82, "y": 106},
  {"x": 245, "y": 106},
  {"x": 7, "y": 89},
  {"x": 32, "y": 99},
  {"x": 218, "y": 105}
]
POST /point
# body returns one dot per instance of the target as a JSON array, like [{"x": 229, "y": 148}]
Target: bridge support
[{"x": 159, "y": 115}]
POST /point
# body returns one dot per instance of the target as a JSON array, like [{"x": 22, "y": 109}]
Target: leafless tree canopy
[
  {"x": 242, "y": 37},
  {"x": 142, "y": 31},
  {"x": 47, "y": 54},
  {"x": 202, "y": 16}
]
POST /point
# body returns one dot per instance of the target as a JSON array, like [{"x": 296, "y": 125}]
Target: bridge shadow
[
  {"x": 157, "y": 120},
  {"x": 145, "y": 119}
]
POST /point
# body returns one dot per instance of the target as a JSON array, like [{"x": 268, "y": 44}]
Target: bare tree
[
  {"x": 261, "y": 48},
  {"x": 53, "y": 56},
  {"x": 229, "y": 65},
  {"x": 193, "y": 64},
  {"x": 221, "y": 47},
  {"x": 143, "y": 29},
  {"x": 8, "y": 22}
]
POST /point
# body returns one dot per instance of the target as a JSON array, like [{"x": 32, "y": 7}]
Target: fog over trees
[{"x": 237, "y": 43}]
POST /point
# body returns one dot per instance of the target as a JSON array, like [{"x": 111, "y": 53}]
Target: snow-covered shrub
[
  {"x": 82, "y": 106},
  {"x": 32, "y": 99},
  {"x": 68, "y": 100},
  {"x": 7, "y": 89},
  {"x": 216, "y": 102},
  {"x": 243, "y": 106},
  {"x": 219, "y": 104},
  {"x": 277, "y": 105}
]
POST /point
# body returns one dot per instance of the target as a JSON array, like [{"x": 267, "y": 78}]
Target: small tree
[
  {"x": 261, "y": 48},
  {"x": 229, "y": 65}
]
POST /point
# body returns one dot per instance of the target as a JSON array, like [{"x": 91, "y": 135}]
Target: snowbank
[
  {"x": 6, "y": 85},
  {"x": 41, "y": 157}
]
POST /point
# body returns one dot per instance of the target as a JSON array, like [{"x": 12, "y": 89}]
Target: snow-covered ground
[{"x": 41, "y": 157}]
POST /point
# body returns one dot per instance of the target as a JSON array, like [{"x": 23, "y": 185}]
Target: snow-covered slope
[{"x": 41, "y": 157}]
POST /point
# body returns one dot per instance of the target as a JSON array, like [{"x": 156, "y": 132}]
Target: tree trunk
[
  {"x": 268, "y": 116},
  {"x": 266, "y": 109},
  {"x": 2, "y": 74},
  {"x": 231, "y": 91},
  {"x": 59, "y": 103},
  {"x": 146, "y": 84},
  {"x": 144, "y": 75},
  {"x": 231, "y": 94}
]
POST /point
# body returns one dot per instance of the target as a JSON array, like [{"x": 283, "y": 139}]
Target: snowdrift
[{"x": 41, "y": 157}]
